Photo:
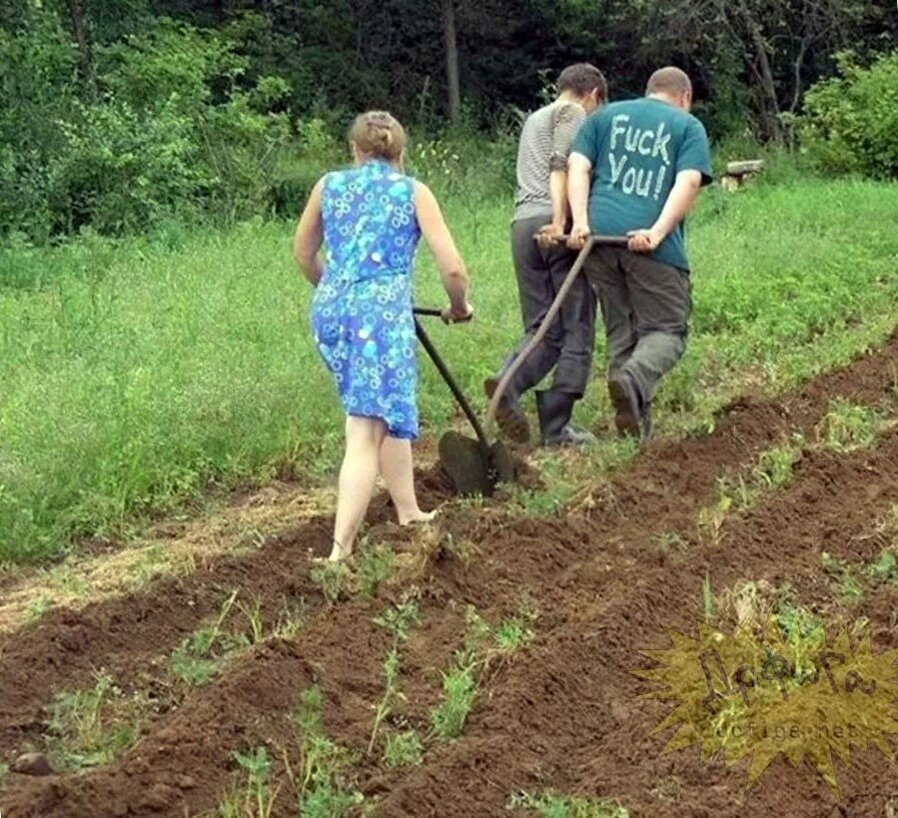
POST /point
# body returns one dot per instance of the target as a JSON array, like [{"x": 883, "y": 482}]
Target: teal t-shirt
[{"x": 637, "y": 148}]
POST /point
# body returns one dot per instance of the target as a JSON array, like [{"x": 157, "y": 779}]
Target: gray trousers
[
  {"x": 645, "y": 308},
  {"x": 568, "y": 345}
]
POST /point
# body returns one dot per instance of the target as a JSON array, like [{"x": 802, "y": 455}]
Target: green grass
[
  {"x": 324, "y": 766},
  {"x": 551, "y": 805},
  {"x": 199, "y": 658},
  {"x": 403, "y": 750},
  {"x": 885, "y": 569},
  {"x": 842, "y": 577},
  {"x": 448, "y": 718},
  {"x": 848, "y": 427},
  {"x": 136, "y": 374},
  {"x": 83, "y": 732},
  {"x": 255, "y": 798}
]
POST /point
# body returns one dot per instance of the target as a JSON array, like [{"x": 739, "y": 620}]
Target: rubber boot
[
  {"x": 647, "y": 426},
  {"x": 510, "y": 415},
  {"x": 627, "y": 404},
  {"x": 554, "y": 409}
]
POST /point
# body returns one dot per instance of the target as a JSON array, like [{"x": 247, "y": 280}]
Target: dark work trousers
[
  {"x": 568, "y": 345},
  {"x": 645, "y": 307}
]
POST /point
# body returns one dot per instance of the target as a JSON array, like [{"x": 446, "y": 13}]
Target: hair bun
[{"x": 378, "y": 134}]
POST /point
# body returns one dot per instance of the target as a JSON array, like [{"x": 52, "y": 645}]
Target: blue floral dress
[{"x": 362, "y": 310}]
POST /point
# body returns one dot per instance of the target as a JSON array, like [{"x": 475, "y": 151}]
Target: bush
[
  {"x": 850, "y": 123},
  {"x": 121, "y": 171},
  {"x": 170, "y": 130}
]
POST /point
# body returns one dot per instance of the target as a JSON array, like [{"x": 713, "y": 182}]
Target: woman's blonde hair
[{"x": 378, "y": 134}]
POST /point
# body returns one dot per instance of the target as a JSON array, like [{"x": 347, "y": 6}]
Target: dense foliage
[
  {"x": 851, "y": 121},
  {"x": 118, "y": 115}
]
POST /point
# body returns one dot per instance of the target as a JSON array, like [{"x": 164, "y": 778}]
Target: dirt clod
[{"x": 33, "y": 764}]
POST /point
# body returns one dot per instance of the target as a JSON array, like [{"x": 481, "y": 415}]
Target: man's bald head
[{"x": 671, "y": 83}]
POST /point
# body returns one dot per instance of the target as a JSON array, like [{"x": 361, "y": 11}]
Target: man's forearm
[
  {"x": 680, "y": 201},
  {"x": 578, "y": 193},
  {"x": 558, "y": 186}
]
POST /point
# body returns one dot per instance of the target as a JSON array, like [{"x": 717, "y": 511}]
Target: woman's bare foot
[
  {"x": 339, "y": 553},
  {"x": 417, "y": 516}
]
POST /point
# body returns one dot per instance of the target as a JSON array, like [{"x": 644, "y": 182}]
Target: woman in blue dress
[{"x": 369, "y": 220}]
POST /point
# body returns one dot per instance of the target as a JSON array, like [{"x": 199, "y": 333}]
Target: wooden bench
[{"x": 738, "y": 173}]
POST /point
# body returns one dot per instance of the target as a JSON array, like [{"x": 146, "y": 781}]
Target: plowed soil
[{"x": 562, "y": 714}]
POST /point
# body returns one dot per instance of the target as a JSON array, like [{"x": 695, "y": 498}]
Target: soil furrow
[
  {"x": 532, "y": 728},
  {"x": 568, "y": 715}
]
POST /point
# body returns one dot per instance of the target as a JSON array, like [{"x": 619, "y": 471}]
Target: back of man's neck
[
  {"x": 662, "y": 98},
  {"x": 567, "y": 98}
]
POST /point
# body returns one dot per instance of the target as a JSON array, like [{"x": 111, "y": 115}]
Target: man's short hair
[
  {"x": 582, "y": 79},
  {"x": 670, "y": 80}
]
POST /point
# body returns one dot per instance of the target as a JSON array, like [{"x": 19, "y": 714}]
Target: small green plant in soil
[
  {"x": 69, "y": 583},
  {"x": 802, "y": 631},
  {"x": 482, "y": 645},
  {"x": 848, "y": 427},
  {"x": 708, "y": 604},
  {"x": 289, "y": 619},
  {"x": 542, "y": 502},
  {"x": 670, "y": 542},
  {"x": 551, "y": 805},
  {"x": 885, "y": 569},
  {"x": 398, "y": 621},
  {"x": 39, "y": 607},
  {"x": 334, "y": 579},
  {"x": 198, "y": 658},
  {"x": 324, "y": 766},
  {"x": 742, "y": 492},
  {"x": 392, "y": 692},
  {"x": 375, "y": 567},
  {"x": 148, "y": 565},
  {"x": 256, "y": 620},
  {"x": 842, "y": 577},
  {"x": 458, "y": 547},
  {"x": 256, "y": 798},
  {"x": 459, "y": 693},
  {"x": 774, "y": 469},
  {"x": 712, "y": 518},
  {"x": 4, "y": 771},
  {"x": 82, "y": 730},
  {"x": 513, "y": 634},
  {"x": 403, "y": 750}
]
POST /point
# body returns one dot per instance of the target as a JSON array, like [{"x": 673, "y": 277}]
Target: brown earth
[{"x": 564, "y": 714}]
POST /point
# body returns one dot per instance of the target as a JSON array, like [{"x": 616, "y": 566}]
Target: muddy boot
[
  {"x": 647, "y": 426},
  {"x": 627, "y": 405},
  {"x": 554, "y": 410},
  {"x": 509, "y": 415}
]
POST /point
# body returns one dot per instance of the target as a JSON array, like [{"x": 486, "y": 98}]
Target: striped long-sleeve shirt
[{"x": 545, "y": 145}]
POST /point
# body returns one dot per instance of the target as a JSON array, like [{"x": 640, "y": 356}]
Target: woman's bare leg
[
  {"x": 358, "y": 475},
  {"x": 398, "y": 474}
]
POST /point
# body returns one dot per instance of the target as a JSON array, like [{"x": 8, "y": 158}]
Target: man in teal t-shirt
[{"x": 636, "y": 169}]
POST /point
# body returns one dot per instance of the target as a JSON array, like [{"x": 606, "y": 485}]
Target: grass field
[
  {"x": 500, "y": 660},
  {"x": 136, "y": 375}
]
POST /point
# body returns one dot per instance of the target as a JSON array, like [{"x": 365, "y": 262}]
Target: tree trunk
[
  {"x": 79, "y": 30},
  {"x": 450, "y": 37},
  {"x": 771, "y": 107}
]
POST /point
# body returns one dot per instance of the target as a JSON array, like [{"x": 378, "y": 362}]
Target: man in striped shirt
[{"x": 542, "y": 206}]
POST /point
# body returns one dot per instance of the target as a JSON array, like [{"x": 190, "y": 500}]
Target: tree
[
  {"x": 450, "y": 40},
  {"x": 79, "y": 31}
]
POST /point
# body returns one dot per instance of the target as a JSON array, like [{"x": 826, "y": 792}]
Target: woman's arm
[
  {"x": 309, "y": 237},
  {"x": 439, "y": 239}
]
